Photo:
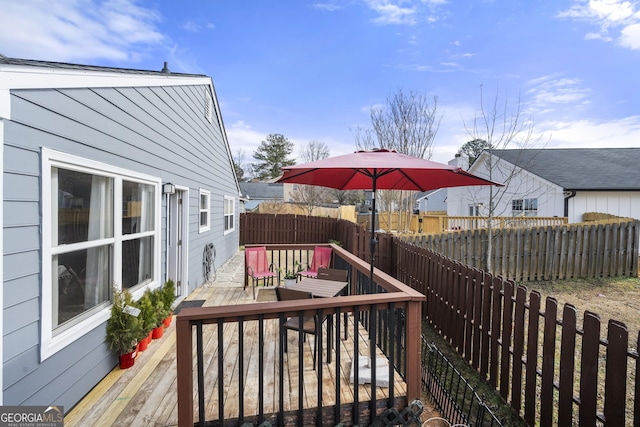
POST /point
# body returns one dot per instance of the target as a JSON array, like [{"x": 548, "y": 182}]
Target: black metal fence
[{"x": 455, "y": 398}]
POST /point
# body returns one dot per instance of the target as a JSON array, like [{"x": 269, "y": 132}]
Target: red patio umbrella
[{"x": 379, "y": 170}]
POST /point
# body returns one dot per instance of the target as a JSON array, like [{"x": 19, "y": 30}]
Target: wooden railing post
[
  {"x": 184, "y": 361},
  {"x": 413, "y": 347}
]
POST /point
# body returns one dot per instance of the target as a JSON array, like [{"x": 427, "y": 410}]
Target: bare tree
[
  {"x": 240, "y": 166},
  {"x": 500, "y": 127},
  {"x": 314, "y": 150},
  {"x": 311, "y": 196},
  {"x": 346, "y": 197},
  {"x": 408, "y": 123}
]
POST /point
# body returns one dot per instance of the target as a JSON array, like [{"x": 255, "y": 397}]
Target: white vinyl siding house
[
  {"x": 103, "y": 170},
  {"x": 554, "y": 182}
]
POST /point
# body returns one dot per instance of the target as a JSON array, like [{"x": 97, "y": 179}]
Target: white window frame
[
  {"x": 51, "y": 344},
  {"x": 206, "y": 227},
  {"x": 527, "y": 207},
  {"x": 229, "y": 201}
]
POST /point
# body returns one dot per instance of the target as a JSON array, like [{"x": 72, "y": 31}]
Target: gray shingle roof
[
  {"x": 581, "y": 168},
  {"x": 262, "y": 190}
]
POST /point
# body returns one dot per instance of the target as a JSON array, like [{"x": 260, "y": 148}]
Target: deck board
[{"x": 146, "y": 394}]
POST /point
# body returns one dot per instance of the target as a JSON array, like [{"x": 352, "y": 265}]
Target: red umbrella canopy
[{"x": 382, "y": 170}]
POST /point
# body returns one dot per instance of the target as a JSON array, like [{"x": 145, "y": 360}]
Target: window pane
[
  {"x": 517, "y": 205},
  {"x": 203, "y": 218},
  {"x": 82, "y": 281},
  {"x": 531, "y": 204},
  {"x": 137, "y": 261},
  {"x": 82, "y": 206},
  {"x": 137, "y": 207}
]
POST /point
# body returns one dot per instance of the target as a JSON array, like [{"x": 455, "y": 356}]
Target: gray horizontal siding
[
  {"x": 157, "y": 131},
  {"x": 20, "y": 290},
  {"x": 63, "y": 378}
]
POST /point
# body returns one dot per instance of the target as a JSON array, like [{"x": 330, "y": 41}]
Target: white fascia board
[{"x": 33, "y": 77}]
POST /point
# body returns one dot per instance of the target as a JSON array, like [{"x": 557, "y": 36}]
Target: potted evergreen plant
[
  {"x": 123, "y": 328},
  {"x": 159, "y": 312},
  {"x": 168, "y": 296},
  {"x": 147, "y": 319}
]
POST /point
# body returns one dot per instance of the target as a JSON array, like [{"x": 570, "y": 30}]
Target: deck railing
[{"x": 387, "y": 310}]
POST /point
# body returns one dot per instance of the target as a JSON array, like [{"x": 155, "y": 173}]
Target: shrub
[{"x": 123, "y": 329}]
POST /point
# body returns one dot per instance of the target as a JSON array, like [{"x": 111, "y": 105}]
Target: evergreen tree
[{"x": 272, "y": 155}]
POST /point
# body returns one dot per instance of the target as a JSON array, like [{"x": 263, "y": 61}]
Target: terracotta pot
[
  {"x": 167, "y": 320},
  {"x": 158, "y": 332},
  {"x": 144, "y": 343},
  {"x": 128, "y": 359}
]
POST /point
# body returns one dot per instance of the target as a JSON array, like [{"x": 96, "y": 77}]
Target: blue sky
[{"x": 311, "y": 70}]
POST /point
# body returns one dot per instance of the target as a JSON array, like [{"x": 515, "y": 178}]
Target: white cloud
[
  {"x": 117, "y": 30},
  {"x": 547, "y": 93},
  {"x": 617, "y": 20},
  {"x": 392, "y": 13},
  {"x": 242, "y": 137},
  {"x": 329, "y": 7},
  {"x": 194, "y": 27},
  {"x": 630, "y": 37},
  {"x": 587, "y": 133}
]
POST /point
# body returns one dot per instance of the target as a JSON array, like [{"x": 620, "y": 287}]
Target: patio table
[{"x": 321, "y": 288}]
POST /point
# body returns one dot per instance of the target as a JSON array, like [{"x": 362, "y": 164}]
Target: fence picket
[
  {"x": 518, "y": 348},
  {"x": 567, "y": 361},
  {"x": 468, "y": 313},
  {"x": 486, "y": 324},
  {"x": 496, "y": 318},
  {"x": 615, "y": 387},
  {"x": 507, "y": 323},
  {"x": 589, "y": 369},
  {"x": 606, "y": 256},
  {"x": 548, "y": 362},
  {"x": 636, "y": 391},
  {"x": 477, "y": 316},
  {"x": 530, "y": 392}
]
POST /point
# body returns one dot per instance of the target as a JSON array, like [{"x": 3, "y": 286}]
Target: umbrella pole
[
  {"x": 372, "y": 241},
  {"x": 372, "y": 249}
]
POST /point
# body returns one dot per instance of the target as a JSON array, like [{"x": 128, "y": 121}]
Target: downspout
[{"x": 568, "y": 194}]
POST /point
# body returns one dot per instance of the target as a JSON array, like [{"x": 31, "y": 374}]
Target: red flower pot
[
  {"x": 144, "y": 343},
  {"x": 167, "y": 321},
  {"x": 158, "y": 332},
  {"x": 128, "y": 359}
]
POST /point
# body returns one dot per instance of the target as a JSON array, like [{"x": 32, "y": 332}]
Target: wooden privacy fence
[
  {"x": 299, "y": 229},
  {"x": 602, "y": 249},
  {"x": 551, "y": 370},
  {"x": 545, "y": 253},
  {"x": 429, "y": 224},
  {"x": 287, "y": 228}
]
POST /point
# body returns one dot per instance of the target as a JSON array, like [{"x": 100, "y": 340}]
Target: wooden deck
[{"x": 145, "y": 395}]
